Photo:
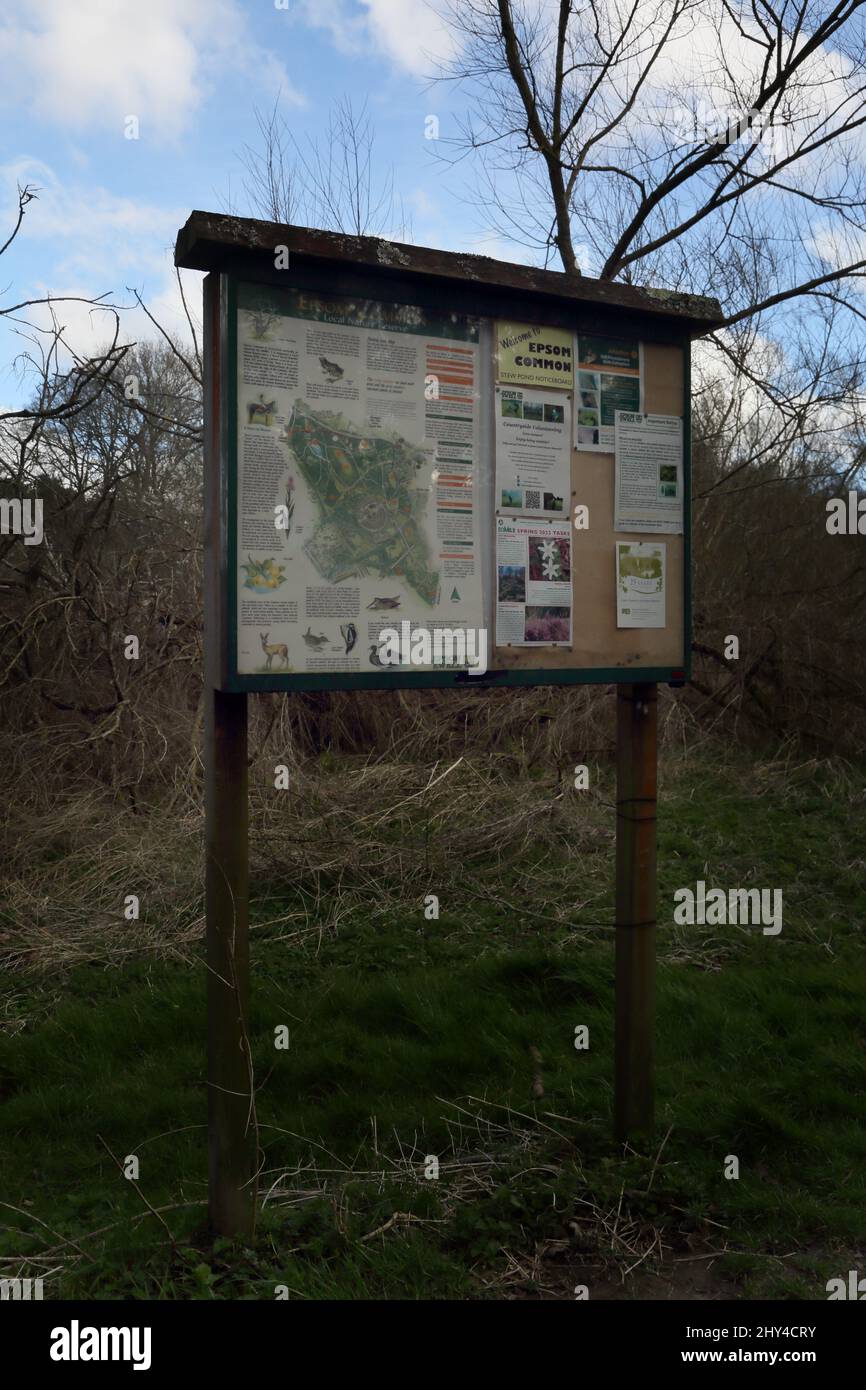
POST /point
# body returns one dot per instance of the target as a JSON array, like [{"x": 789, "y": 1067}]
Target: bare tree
[
  {"x": 67, "y": 383},
  {"x": 47, "y": 344},
  {"x": 594, "y": 110},
  {"x": 120, "y": 483},
  {"x": 710, "y": 146},
  {"x": 329, "y": 182}
]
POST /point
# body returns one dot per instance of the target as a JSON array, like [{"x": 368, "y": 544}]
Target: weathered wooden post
[
  {"x": 232, "y": 1149},
  {"x": 636, "y": 777},
  {"x": 232, "y": 1139}
]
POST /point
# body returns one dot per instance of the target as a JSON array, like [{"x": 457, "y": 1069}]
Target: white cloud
[
  {"x": 838, "y": 246},
  {"x": 95, "y": 62},
  {"x": 348, "y": 32},
  {"x": 88, "y": 329},
  {"x": 87, "y": 231},
  {"x": 706, "y": 77},
  {"x": 420, "y": 202},
  {"x": 87, "y": 241},
  {"x": 410, "y": 32}
]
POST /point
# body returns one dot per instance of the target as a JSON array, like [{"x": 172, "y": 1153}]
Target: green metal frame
[{"x": 230, "y": 680}]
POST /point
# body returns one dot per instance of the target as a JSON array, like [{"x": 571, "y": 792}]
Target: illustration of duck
[
  {"x": 314, "y": 640},
  {"x": 375, "y": 659},
  {"x": 384, "y": 603}
]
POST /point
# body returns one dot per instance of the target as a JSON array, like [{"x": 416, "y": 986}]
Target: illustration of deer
[{"x": 275, "y": 649}]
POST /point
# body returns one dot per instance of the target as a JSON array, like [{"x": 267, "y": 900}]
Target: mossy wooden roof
[{"x": 217, "y": 241}]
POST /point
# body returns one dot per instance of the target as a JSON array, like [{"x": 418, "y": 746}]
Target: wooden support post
[
  {"x": 232, "y": 1146},
  {"x": 636, "y": 780}
]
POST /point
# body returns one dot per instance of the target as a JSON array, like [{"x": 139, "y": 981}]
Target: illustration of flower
[{"x": 549, "y": 559}]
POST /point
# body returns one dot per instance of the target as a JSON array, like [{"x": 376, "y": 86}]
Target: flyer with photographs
[
  {"x": 357, "y": 449},
  {"x": 640, "y": 583},
  {"x": 608, "y": 379},
  {"x": 532, "y": 355},
  {"x": 649, "y": 473},
  {"x": 533, "y": 583},
  {"x": 533, "y": 450}
]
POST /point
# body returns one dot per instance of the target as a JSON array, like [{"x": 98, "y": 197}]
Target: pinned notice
[
  {"x": 533, "y": 450},
  {"x": 533, "y": 583},
  {"x": 649, "y": 473},
  {"x": 640, "y": 583},
  {"x": 608, "y": 380},
  {"x": 529, "y": 355}
]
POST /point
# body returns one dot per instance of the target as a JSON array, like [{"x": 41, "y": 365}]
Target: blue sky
[{"x": 192, "y": 72}]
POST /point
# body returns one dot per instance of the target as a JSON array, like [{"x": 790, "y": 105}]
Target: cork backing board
[{"x": 596, "y": 640}]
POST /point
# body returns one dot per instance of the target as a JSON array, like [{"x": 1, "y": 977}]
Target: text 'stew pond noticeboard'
[{"x": 428, "y": 481}]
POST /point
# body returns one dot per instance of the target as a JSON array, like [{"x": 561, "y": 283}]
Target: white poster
[
  {"x": 533, "y": 583},
  {"x": 357, "y": 458},
  {"x": 640, "y": 583},
  {"x": 649, "y": 473},
  {"x": 533, "y": 450}
]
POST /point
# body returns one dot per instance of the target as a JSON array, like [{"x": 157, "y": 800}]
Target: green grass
[{"x": 410, "y": 1038}]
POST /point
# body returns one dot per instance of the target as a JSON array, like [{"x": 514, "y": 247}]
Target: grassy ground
[{"x": 455, "y": 1038}]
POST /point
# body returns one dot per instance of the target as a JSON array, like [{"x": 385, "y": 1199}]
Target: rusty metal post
[
  {"x": 232, "y": 1146},
  {"x": 636, "y": 786}
]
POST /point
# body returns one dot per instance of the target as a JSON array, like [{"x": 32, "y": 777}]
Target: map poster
[
  {"x": 649, "y": 473},
  {"x": 529, "y": 355},
  {"x": 356, "y": 503},
  {"x": 608, "y": 380},
  {"x": 533, "y": 583},
  {"x": 533, "y": 450},
  {"x": 640, "y": 584}
]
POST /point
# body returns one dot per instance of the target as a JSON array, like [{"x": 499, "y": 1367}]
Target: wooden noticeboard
[
  {"x": 383, "y": 284},
  {"x": 264, "y": 415}
]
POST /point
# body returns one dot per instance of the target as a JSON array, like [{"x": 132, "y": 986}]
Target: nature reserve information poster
[
  {"x": 532, "y": 355},
  {"x": 533, "y": 450},
  {"x": 533, "y": 583},
  {"x": 640, "y": 584},
  {"x": 357, "y": 450},
  {"x": 649, "y": 473},
  {"x": 608, "y": 380}
]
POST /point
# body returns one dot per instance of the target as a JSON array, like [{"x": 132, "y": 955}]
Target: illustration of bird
[
  {"x": 332, "y": 371},
  {"x": 384, "y": 603},
  {"x": 313, "y": 640},
  {"x": 349, "y": 634},
  {"x": 375, "y": 659}
]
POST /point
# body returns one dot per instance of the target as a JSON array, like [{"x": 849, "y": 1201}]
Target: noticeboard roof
[{"x": 209, "y": 240}]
